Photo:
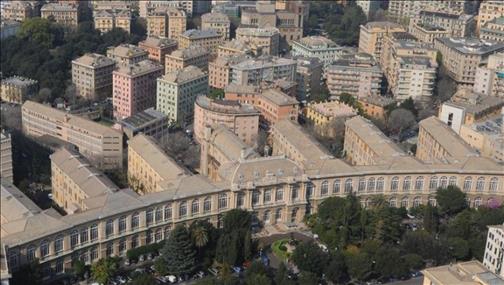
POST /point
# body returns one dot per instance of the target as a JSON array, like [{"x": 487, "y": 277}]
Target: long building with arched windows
[{"x": 278, "y": 189}]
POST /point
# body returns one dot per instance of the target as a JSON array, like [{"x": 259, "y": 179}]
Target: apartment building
[
  {"x": 356, "y": 74},
  {"x": 403, "y": 11},
  {"x": 134, "y": 87},
  {"x": 322, "y": 114},
  {"x": 236, "y": 47},
  {"x": 255, "y": 71},
  {"x": 92, "y": 76},
  {"x": 64, "y": 14},
  {"x": 106, "y": 20},
  {"x": 416, "y": 79},
  {"x": 308, "y": 77},
  {"x": 150, "y": 122},
  {"x": 486, "y": 136},
  {"x": 438, "y": 142},
  {"x": 456, "y": 25},
  {"x": 426, "y": 32},
  {"x": 6, "y": 157},
  {"x": 17, "y": 89},
  {"x": 469, "y": 272},
  {"x": 166, "y": 22},
  {"x": 320, "y": 47},
  {"x": 220, "y": 71},
  {"x": 98, "y": 5},
  {"x": 126, "y": 54},
  {"x": 75, "y": 185},
  {"x": 372, "y": 34},
  {"x": 17, "y": 11},
  {"x": 187, "y": 6},
  {"x": 490, "y": 76},
  {"x": 207, "y": 39},
  {"x": 494, "y": 250},
  {"x": 493, "y": 30},
  {"x": 218, "y": 22},
  {"x": 177, "y": 91},
  {"x": 101, "y": 145},
  {"x": 275, "y": 106},
  {"x": 264, "y": 41},
  {"x": 241, "y": 119},
  {"x": 183, "y": 57},
  {"x": 462, "y": 56},
  {"x": 158, "y": 48},
  {"x": 376, "y": 106},
  {"x": 489, "y": 10}
]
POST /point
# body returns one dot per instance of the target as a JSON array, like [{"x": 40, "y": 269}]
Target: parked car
[
  {"x": 171, "y": 278},
  {"x": 213, "y": 271}
]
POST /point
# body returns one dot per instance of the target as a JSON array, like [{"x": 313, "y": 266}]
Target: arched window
[
  {"x": 279, "y": 194},
  {"x": 207, "y": 205},
  {"x": 371, "y": 185},
  {"x": 195, "y": 207},
  {"x": 433, "y": 184},
  {"x": 406, "y": 183},
  {"x": 336, "y": 186},
  {"x": 134, "y": 241},
  {"x": 74, "y": 238},
  {"x": 380, "y": 182},
  {"x": 324, "y": 188},
  {"x": 149, "y": 217},
  {"x": 467, "y": 184},
  {"x": 294, "y": 193},
  {"x": 452, "y": 181},
  {"x": 255, "y": 197},
  {"x": 477, "y": 202},
  {"x": 58, "y": 244},
  {"x": 158, "y": 236},
  {"x": 443, "y": 182},
  {"x": 480, "y": 184},
  {"x": 182, "y": 209},
  {"x": 394, "y": 184},
  {"x": 122, "y": 246},
  {"x": 167, "y": 231},
  {"x": 417, "y": 201},
  {"x": 267, "y": 196},
  {"x": 223, "y": 201},
  {"x": 30, "y": 252},
  {"x": 393, "y": 202},
  {"x": 267, "y": 216},
  {"x": 348, "y": 185},
  {"x": 432, "y": 201},
  {"x": 94, "y": 232},
  {"x": 122, "y": 224},
  {"x": 362, "y": 184},
  {"x": 419, "y": 183},
  {"x": 492, "y": 187},
  {"x": 404, "y": 202},
  {"x": 159, "y": 214},
  {"x": 44, "y": 248},
  {"x": 168, "y": 212}
]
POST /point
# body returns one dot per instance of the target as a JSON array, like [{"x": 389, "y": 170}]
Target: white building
[
  {"x": 490, "y": 77},
  {"x": 264, "y": 69},
  {"x": 494, "y": 250},
  {"x": 416, "y": 79},
  {"x": 320, "y": 47}
]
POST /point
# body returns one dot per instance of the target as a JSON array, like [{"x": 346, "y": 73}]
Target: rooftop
[
  {"x": 383, "y": 25},
  {"x": 143, "y": 118},
  {"x": 278, "y": 97},
  {"x": 474, "y": 103},
  {"x": 226, "y": 106},
  {"x": 140, "y": 68},
  {"x": 94, "y": 60},
  {"x": 200, "y": 34},
  {"x": 463, "y": 273},
  {"x": 358, "y": 60},
  {"x": 236, "y": 44},
  {"x": 190, "y": 52},
  {"x": 377, "y": 100},
  {"x": 257, "y": 32},
  {"x": 184, "y": 75},
  {"x": 126, "y": 50},
  {"x": 317, "y": 42},
  {"x": 333, "y": 109},
  {"x": 239, "y": 88},
  {"x": 18, "y": 81},
  {"x": 472, "y": 45},
  {"x": 215, "y": 17},
  {"x": 230, "y": 145},
  {"x": 153, "y": 41},
  {"x": 445, "y": 15},
  {"x": 60, "y": 6},
  {"x": 230, "y": 60},
  {"x": 264, "y": 62}
]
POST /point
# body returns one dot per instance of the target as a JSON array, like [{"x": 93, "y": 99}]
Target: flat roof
[
  {"x": 200, "y": 34},
  {"x": 278, "y": 97},
  {"x": 143, "y": 118},
  {"x": 186, "y": 74},
  {"x": 472, "y": 45},
  {"x": 226, "y": 106},
  {"x": 94, "y": 60},
  {"x": 139, "y": 68}
]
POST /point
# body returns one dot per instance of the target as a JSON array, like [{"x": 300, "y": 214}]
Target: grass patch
[{"x": 279, "y": 249}]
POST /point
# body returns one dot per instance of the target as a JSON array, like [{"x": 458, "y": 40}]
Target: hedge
[{"x": 134, "y": 253}]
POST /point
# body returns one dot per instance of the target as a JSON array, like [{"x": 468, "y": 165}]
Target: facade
[
  {"x": 255, "y": 71},
  {"x": 17, "y": 10},
  {"x": 486, "y": 137},
  {"x": 106, "y": 20},
  {"x": 323, "y": 114},
  {"x": 166, "y": 22},
  {"x": 426, "y": 32},
  {"x": 241, "y": 119},
  {"x": 357, "y": 74},
  {"x": 187, "y": 6},
  {"x": 220, "y": 71},
  {"x": 371, "y": 37},
  {"x": 218, "y": 22},
  {"x": 63, "y": 13},
  {"x": 158, "y": 48},
  {"x": 17, "y": 89},
  {"x": 125, "y": 54},
  {"x": 308, "y": 77},
  {"x": 316, "y": 46},
  {"x": 494, "y": 250},
  {"x": 149, "y": 122},
  {"x": 489, "y": 10},
  {"x": 101, "y": 145},
  {"x": 92, "y": 76},
  {"x": 236, "y": 47},
  {"x": 207, "y": 39},
  {"x": 134, "y": 88},
  {"x": 376, "y": 106},
  {"x": 183, "y": 57},
  {"x": 467, "y": 273},
  {"x": 456, "y": 25},
  {"x": 462, "y": 56},
  {"x": 177, "y": 91},
  {"x": 261, "y": 40},
  {"x": 490, "y": 76},
  {"x": 416, "y": 78},
  {"x": 493, "y": 30},
  {"x": 6, "y": 157},
  {"x": 403, "y": 11}
]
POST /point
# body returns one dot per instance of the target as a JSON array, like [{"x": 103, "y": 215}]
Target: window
[
  {"x": 309, "y": 190},
  {"x": 167, "y": 231},
  {"x": 362, "y": 184},
  {"x": 480, "y": 184},
  {"x": 159, "y": 214},
  {"x": 452, "y": 181},
  {"x": 467, "y": 184},
  {"x": 279, "y": 194},
  {"x": 207, "y": 205},
  {"x": 195, "y": 207},
  {"x": 267, "y": 196},
  {"x": 255, "y": 197},
  {"x": 443, "y": 182},
  {"x": 135, "y": 221},
  {"x": 167, "y": 212},
  {"x": 122, "y": 246},
  {"x": 94, "y": 232},
  {"x": 110, "y": 249},
  {"x": 58, "y": 244},
  {"x": 122, "y": 224},
  {"x": 404, "y": 202},
  {"x": 30, "y": 253},
  {"x": 492, "y": 187},
  {"x": 336, "y": 186},
  {"x": 59, "y": 265},
  {"x": 393, "y": 202},
  {"x": 93, "y": 253},
  {"x": 84, "y": 236},
  {"x": 13, "y": 259},
  {"x": 371, "y": 185},
  {"x": 380, "y": 182},
  {"x": 182, "y": 209},
  {"x": 433, "y": 184},
  {"x": 134, "y": 241},
  {"x": 74, "y": 239},
  {"x": 158, "y": 236},
  {"x": 348, "y": 185},
  {"x": 149, "y": 217},
  {"x": 432, "y": 201},
  {"x": 394, "y": 184},
  {"x": 109, "y": 228},
  {"x": 477, "y": 202},
  {"x": 417, "y": 201},
  {"x": 222, "y": 201},
  {"x": 419, "y": 183},
  {"x": 44, "y": 248},
  {"x": 406, "y": 183},
  {"x": 324, "y": 188}
]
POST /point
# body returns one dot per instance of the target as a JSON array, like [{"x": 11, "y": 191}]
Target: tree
[
  {"x": 104, "y": 269},
  {"x": 459, "y": 248},
  {"x": 308, "y": 256},
  {"x": 160, "y": 266},
  {"x": 359, "y": 264},
  {"x": 178, "y": 252},
  {"x": 409, "y": 104},
  {"x": 41, "y": 31},
  {"x": 199, "y": 236},
  {"x": 257, "y": 274},
  {"x": 336, "y": 270},
  {"x": 234, "y": 244},
  {"x": 400, "y": 119},
  {"x": 430, "y": 219},
  {"x": 451, "y": 200},
  {"x": 282, "y": 276},
  {"x": 216, "y": 94},
  {"x": 308, "y": 278},
  {"x": 143, "y": 279},
  {"x": 388, "y": 263},
  {"x": 30, "y": 273},
  {"x": 413, "y": 261},
  {"x": 79, "y": 268}
]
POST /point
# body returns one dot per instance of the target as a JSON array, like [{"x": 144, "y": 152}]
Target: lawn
[{"x": 279, "y": 249}]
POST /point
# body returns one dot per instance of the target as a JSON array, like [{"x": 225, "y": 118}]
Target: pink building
[
  {"x": 243, "y": 120},
  {"x": 134, "y": 88}
]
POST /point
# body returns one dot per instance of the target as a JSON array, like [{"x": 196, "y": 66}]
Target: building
[
  {"x": 17, "y": 11},
  {"x": 126, "y": 54},
  {"x": 456, "y": 25},
  {"x": 64, "y": 14},
  {"x": 261, "y": 40},
  {"x": 106, "y": 20},
  {"x": 438, "y": 142},
  {"x": 6, "y": 157},
  {"x": 177, "y": 91},
  {"x": 218, "y": 22},
  {"x": 183, "y": 57},
  {"x": 376, "y": 106},
  {"x": 487, "y": 137},
  {"x": 371, "y": 37},
  {"x": 134, "y": 88},
  {"x": 357, "y": 74},
  {"x": 75, "y": 185},
  {"x": 17, "y": 89},
  {"x": 322, "y": 48},
  {"x": 158, "y": 48},
  {"x": 368, "y": 7},
  {"x": 255, "y": 71},
  {"x": 323, "y": 114},
  {"x": 467, "y": 273},
  {"x": 461, "y": 56},
  {"x": 416, "y": 79},
  {"x": 101, "y": 145},
  {"x": 490, "y": 76},
  {"x": 187, "y": 6},
  {"x": 426, "y": 32},
  {"x": 92, "y": 76},
  {"x": 166, "y": 22},
  {"x": 9, "y": 28},
  {"x": 308, "y": 77},
  {"x": 98, "y": 5},
  {"x": 149, "y": 122},
  {"x": 493, "y": 30},
  {"x": 403, "y": 11},
  {"x": 489, "y": 10},
  {"x": 220, "y": 71},
  {"x": 207, "y": 39},
  {"x": 494, "y": 250},
  {"x": 236, "y": 47},
  {"x": 241, "y": 119}
]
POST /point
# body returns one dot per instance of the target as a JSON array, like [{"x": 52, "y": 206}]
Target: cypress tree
[{"x": 179, "y": 253}]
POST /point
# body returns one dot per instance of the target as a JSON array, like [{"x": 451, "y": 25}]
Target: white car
[{"x": 171, "y": 278}]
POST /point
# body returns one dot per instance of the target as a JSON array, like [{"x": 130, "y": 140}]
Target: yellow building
[
  {"x": 371, "y": 37},
  {"x": 218, "y": 22},
  {"x": 167, "y": 22},
  {"x": 63, "y": 13},
  {"x": 17, "y": 89},
  {"x": 106, "y": 20},
  {"x": 183, "y": 57},
  {"x": 323, "y": 113}
]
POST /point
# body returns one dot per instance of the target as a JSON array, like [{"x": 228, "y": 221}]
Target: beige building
[
  {"x": 92, "y": 76},
  {"x": 218, "y": 22},
  {"x": 494, "y": 250},
  {"x": 150, "y": 122},
  {"x": 317, "y": 46},
  {"x": 463, "y": 273},
  {"x": 486, "y": 136},
  {"x": 456, "y": 25},
  {"x": 371, "y": 37},
  {"x": 235, "y": 47},
  {"x": 376, "y": 106},
  {"x": 493, "y": 30},
  {"x": 6, "y": 157},
  {"x": 184, "y": 57},
  {"x": 427, "y": 33},
  {"x": 158, "y": 48},
  {"x": 101, "y": 145},
  {"x": 402, "y": 11},
  {"x": 261, "y": 40},
  {"x": 126, "y": 54},
  {"x": 17, "y": 10},
  {"x": 166, "y": 22},
  {"x": 263, "y": 69},
  {"x": 490, "y": 76},
  {"x": 219, "y": 70},
  {"x": 64, "y": 14},
  {"x": 323, "y": 114},
  {"x": 489, "y": 10},
  {"x": 106, "y": 20},
  {"x": 208, "y": 39},
  {"x": 242, "y": 119},
  {"x": 308, "y": 77},
  {"x": 462, "y": 56},
  {"x": 17, "y": 89}
]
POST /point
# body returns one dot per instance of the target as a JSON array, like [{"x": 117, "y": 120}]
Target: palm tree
[{"x": 200, "y": 236}]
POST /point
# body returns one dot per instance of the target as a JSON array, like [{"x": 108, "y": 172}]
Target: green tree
[
  {"x": 234, "y": 245},
  {"x": 451, "y": 200},
  {"x": 308, "y": 278},
  {"x": 143, "y": 279},
  {"x": 104, "y": 269},
  {"x": 409, "y": 104},
  {"x": 336, "y": 270},
  {"x": 79, "y": 268},
  {"x": 413, "y": 261},
  {"x": 388, "y": 263},
  {"x": 257, "y": 273},
  {"x": 199, "y": 236},
  {"x": 160, "y": 266},
  {"x": 430, "y": 219},
  {"x": 359, "y": 264},
  {"x": 458, "y": 248},
  {"x": 308, "y": 256},
  {"x": 41, "y": 31},
  {"x": 28, "y": 274},
  {"x": 281, "y": 276},
  {"x": 178, "y": 252},
  {"x": 216, "y": 94}
]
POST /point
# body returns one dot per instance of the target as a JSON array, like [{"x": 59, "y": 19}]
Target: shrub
[{"x": 135, "y": 253}]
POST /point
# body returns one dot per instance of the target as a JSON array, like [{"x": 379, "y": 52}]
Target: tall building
[
  {"x": 183, "y": 57},
  {"x": 92, "y": 76},
  {"x": 125, "y": 54},
  {"x": 486, "y": 136},
  {"x": 308, "y": 77},
  {"x": 6, "y": 157},
  {"x": 218, "y": 22},
  {"x": 220, "y": 70},
  {"x": 489, "y": 10},
  {"x": 426, "y": 32},
  {"x": 64, "y": 14},
  {"x": 187, "y": 6},
  {"x": 403, "y": 11},
  {"x": 493, "y": 30},
  {"x": 416, "y": 78},
  {"x": 494, "y": 250},
  {"x": 17, "y": 89},
  {"x": 255, "y": 71},
  {"x": 208, "y": 39},
  {"x": 106, "y": 20},
  {"x": 101, "y": 145},
  {"x": 158, "y": 48},
  {"x": 469, "y": 272},
  {"x": 490, "y": 76},
  {"x": 262, "y": 40},
  {"x": 134, "y": 87},
  {"x": 166, "y": 22},
  {"x": 456, "y": 25},
  {"x": 371, "y": 37},
  {"x": 320, "y": 47},
  {"x": 177, "y": 91}
]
